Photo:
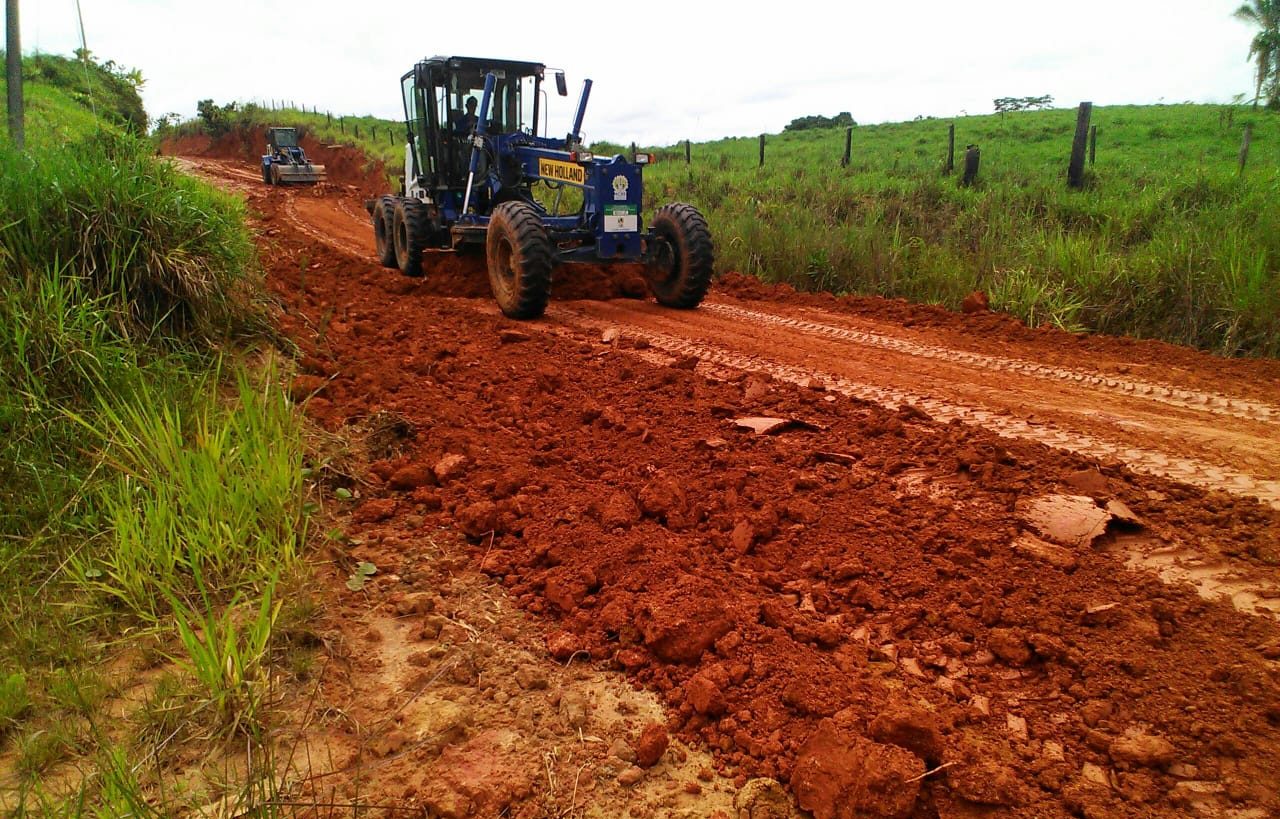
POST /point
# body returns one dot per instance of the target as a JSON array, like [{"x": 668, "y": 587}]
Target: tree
[
  {"x": 842, "y": 119},
  {"x": 1006, "y": 104},
  {"x": 1265, "y": 48}
]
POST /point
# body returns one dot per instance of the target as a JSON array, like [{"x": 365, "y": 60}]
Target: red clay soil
[{"x": 845, "y": 605}]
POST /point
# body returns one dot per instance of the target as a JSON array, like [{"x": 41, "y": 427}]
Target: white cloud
[{"x": 667, "y": 70}]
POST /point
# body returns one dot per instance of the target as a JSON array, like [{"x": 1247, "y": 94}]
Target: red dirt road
[{"x": 849, "y": 602}]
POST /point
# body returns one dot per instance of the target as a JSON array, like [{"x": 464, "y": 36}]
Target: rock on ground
[
  {"x": 839, "y": 774},
  {"x": 651, "y": 744}
]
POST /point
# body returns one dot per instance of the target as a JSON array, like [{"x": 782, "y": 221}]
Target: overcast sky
[{"x": 666, "y": 71}]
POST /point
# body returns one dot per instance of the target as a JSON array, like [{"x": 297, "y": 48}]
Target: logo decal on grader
[{"x": 562, "y": 171}]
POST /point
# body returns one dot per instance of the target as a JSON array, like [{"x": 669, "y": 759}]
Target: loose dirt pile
[{"x": 860, "y": 606}]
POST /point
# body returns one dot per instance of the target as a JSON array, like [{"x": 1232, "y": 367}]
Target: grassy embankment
[
  {"x": 1168, "y": 241},
  {"x": 151, "y": 495}
]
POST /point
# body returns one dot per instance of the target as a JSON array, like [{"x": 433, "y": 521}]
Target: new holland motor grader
[{"x": 481, "y": 173}]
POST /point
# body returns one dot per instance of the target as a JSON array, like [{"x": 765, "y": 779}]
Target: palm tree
[{"x": 1265, "y": 48}]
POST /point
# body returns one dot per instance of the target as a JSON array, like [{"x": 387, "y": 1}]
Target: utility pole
[{"x": 13, "y": 71}]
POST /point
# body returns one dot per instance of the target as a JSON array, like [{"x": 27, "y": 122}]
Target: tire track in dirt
[
  {"x": 305, "y": 226},
  {"x": 1152, "y": 391},
  {"x": 1183, "y": 470}
]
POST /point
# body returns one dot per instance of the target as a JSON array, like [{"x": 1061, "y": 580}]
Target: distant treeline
[{"x": 842, "y": 119}]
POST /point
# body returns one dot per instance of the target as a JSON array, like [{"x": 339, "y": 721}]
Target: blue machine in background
[
  {"x": 481, "y": 171},
  {"x": 285, "y": 162}
]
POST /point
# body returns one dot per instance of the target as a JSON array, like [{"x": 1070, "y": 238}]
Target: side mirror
[{"x": 562, "y": 88}]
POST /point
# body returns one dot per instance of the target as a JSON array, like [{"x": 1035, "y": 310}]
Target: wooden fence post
[
  {"x": 391, "y": 137},
  {"x": 762, "y": 150},
  {"x": 951, "y": 148},
  {"x": 972, "y": 157},
  {"x": 328, "y": 118},
  {"x": 1075, "y": 170},
  {"x": 633, "y": 153},
  {"x": 357, "y": 130},
  {"x": 1244, "y": 145},
  {"x": 848, "y": 146},
  {"x": 688, "y": 153},
  {"x": 342, "y": 124},
  {"x": 1093, "y": 144}
]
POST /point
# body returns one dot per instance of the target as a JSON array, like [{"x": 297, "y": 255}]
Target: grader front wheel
[
  {"x": 520, "y": 259},
  {"x": 384, "y": 218},
  {"x": 409, "y": 235},
  {"x": 681, "y": 256}
]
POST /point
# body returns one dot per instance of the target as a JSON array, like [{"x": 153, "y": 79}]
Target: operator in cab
[{"x": 464, "y": 124}]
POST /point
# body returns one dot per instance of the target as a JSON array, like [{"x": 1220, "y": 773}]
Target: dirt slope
[{"x": 918, "y": 576}]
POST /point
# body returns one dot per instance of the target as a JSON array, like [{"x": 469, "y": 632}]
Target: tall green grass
[
  {"x": 166, "y": 252},
  {"x": 150, "y": 483}
]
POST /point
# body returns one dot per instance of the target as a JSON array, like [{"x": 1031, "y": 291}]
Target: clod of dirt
[
  {"x": 1136, "y": 747},
  {"x": 663, "y": 498},
  {"x": 449, "y": 468},
  {"x": 1010, "y": 646},
  {"x": 840, "y": 774},
  {"x": 410, "y": 477},
  {"x": 651, "y": 744},
  {"x": 1050, "y": 553},
  {"x": 375, "y": 510},
  {"x": 562, "y": 645},
  {"x": 703, "y": 692},
  {"x": 619, "y": 512},
  {"x": 975, "y": 302},
  {"x": 416, "y": 603},
  {"x": 631, "y": 776},
  {"x": 479, "y": 519},
  {"x": 680, "y": 624},
  {"x": 303, "y": 387},
  {"x": 574, "y": 709},
  {"x": 755, "y": 389},
  {"x": 1074, "y": 521},
  {"x": 609, "y": 336},
  {"x": 621, "y": 749},
  {"x": 916, "y": 730},
  {"x": 762, "y": 798},
  {"x": 532, "y": 678},
  {"x": 743, "y": 535},
  {"x": 986, "y": 782}
]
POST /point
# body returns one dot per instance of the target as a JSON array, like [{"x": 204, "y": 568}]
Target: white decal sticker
[{"x": 620, "y": 186}]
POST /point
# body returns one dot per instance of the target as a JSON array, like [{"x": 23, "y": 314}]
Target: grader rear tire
[
  {"x": 410, "y": 230},
  {"x": 681, "y": 257},
  {"x": 384, "y": 217},
  {"x": 520, "y": 257}
]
